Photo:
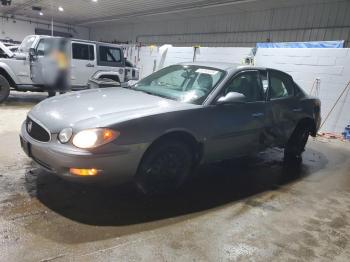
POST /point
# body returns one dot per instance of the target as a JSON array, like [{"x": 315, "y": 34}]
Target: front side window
[
  {"x": 248, "y": 84},
  {"x": 83, "y": 51},
  {"x": 44, "y": 47},
  {"x": 190, "y": 84},
  {"x": 280, "y": 86},
  {"x": 26, "y": 43},
  {"x": 109, "y": 54}
]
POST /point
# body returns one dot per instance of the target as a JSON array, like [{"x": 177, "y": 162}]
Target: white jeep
[{"x": 29, "y": 68}]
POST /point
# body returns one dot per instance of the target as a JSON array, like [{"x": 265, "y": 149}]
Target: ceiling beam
[{"x": 167, "y": 10}]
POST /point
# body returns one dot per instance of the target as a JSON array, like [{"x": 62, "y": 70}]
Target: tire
[
  {"x": 296, "y": 144},
  {"x": 165, "y": 167},
  {"x": 51, "y": 93},
  {"x": 4, "y": 89}
]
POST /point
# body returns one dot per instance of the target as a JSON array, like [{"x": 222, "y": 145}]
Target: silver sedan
[{"x": 157, "y": 131}]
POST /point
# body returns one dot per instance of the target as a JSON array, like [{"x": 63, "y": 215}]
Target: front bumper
[{"x": 118, "y": 166}]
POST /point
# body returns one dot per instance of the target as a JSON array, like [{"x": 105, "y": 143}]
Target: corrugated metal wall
[{"x": 325, "y": 21}]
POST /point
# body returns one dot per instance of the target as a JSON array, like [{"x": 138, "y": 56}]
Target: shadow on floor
[
  {"x": 214, "y": 186},
  {"x": 20, "y": 99}
]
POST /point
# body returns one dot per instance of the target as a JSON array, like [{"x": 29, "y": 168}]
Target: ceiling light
[
  {"x": 41, "y": 13},
  {"x": 36, "y": 8},
  {"x": 95, "y": 1},
  {"x": 60, "y": 8}
]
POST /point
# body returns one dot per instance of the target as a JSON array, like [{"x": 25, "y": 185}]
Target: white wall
[
  {"x": 150, "y": 56},
  {"x": 19, "y": 29},
  {"x": 331, "y": 66}
]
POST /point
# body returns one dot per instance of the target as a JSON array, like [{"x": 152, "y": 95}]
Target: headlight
[
  {"x": 65, "y": 135},
  {"x": 92, "y": 138}
]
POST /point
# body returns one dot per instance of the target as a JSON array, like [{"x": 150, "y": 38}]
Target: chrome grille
[{"x": 36, "y": 131}]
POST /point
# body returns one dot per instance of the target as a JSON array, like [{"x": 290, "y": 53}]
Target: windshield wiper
[
  {"x": 143, "y": 91},
  {"x": 153, "y": 94}
]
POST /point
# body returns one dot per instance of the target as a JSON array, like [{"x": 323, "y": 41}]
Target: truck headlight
[
  {"x": 65, "y": 135},
  {"x": 92, "y": 138}
]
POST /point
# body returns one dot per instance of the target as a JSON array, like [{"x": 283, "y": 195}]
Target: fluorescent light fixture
[{"x": 60, "y": 8}]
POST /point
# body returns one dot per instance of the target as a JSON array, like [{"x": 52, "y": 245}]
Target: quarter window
[
  {"x": 280, "y": 86},
  {"x": 83, "y": 51}
]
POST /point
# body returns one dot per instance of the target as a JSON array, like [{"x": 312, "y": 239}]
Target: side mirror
[{"x": 231, "y": 97}]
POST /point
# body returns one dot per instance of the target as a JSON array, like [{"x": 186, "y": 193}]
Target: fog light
[{"x": 83, "y": 172}]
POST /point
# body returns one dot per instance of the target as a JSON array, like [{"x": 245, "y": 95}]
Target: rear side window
[
  {"x": 280, "y": 86},
  {"x": 83, "y": 51},
  {"x": 110, "y": 54}
]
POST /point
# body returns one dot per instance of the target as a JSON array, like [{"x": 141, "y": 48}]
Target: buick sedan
[{"x": 159, "y": 130}]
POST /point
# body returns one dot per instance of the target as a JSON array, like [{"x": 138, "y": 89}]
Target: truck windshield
[
  {"x": 26, "y": 44},
  {"x": 185, "y": 83}
]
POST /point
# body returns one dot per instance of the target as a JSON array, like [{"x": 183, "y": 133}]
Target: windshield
[
  {"x": 26, "y": 44},
  {"x": 183, "y": 83}
]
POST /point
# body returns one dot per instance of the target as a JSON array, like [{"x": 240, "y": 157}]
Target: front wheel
[
  {"x": 296, "y": 144},
  {"x": 164, "y": 167},
  {"x": 4, "y": 89}
]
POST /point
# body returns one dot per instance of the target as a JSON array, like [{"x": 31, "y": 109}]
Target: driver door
[
  {"x": 43, "y": 66},
  {"x": 37, "y": 62},
  {"x": 237, "y": 128}
]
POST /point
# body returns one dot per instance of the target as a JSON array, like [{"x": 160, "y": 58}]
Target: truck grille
[{"x": 36, "y": 131}]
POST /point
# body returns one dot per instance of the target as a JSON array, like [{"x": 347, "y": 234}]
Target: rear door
[
  {"x": 237, "y": 128},
  {"x": 282, "y": 107},
  {"x": 83, "y": 63},
  {"x": 111, "y": 58}
]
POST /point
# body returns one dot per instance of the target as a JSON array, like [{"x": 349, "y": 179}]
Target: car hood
[{"x": 100, "y": 108}]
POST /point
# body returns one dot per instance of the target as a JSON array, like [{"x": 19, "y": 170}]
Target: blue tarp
[{"x": 313, "y": 44}]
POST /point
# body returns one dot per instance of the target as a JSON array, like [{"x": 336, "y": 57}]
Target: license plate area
[{"x": 26, "y": 146}]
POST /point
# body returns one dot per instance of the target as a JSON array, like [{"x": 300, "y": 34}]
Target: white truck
[{"x": 28, "y": 69}]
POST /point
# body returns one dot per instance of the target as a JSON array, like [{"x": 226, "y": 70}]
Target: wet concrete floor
[{"x": 254, "y": 209}]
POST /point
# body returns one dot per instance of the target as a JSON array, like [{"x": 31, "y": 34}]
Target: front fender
[{"x": 9, "y": 71}]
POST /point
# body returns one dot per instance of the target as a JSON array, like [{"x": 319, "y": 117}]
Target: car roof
[
  {"x": 81, "y": 40},
  {"x": 230, "y": 66},
  {"x": 223, "y": 65},
  {"x": 218, "y": 65}
]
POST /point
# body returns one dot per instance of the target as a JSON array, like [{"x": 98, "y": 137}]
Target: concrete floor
[{"x": 254, "y": 209}]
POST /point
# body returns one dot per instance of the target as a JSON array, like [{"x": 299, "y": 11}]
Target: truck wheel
[
  {"x": 165, "y": 167},
  {"x": 51, "y": 93},
  {"x": 4, "y": 89},
  {"x": 296, "y": 144}
]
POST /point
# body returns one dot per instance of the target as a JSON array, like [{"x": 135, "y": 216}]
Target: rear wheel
[
  {"x": 165, "y": 167},
  {"x": 296, "y": 144},
  {"x": 4, "y": 89}
]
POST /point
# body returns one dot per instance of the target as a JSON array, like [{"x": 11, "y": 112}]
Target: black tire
[
  {"x": 51, "y": 93},
  {"x": 165, "y": 167},
  {"x": 296, "y": 144},
  {"x": 4, "y": 89}
]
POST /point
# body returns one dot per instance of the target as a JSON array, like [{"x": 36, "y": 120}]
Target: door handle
[
  {"x": 258, "y": 114},
  {"x": 89, "y": 65},
  {"x": 297, "y": 109}
]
